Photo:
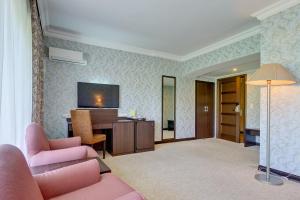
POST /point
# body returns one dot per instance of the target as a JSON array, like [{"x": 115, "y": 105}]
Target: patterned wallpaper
[
  {"x": 281, "y": 44},
  {"x": 139, "y": 77},
  {"x": 37, "y": 65},
  {"x": 252, "y": 105},
  {"x": 233, "y": 51}
]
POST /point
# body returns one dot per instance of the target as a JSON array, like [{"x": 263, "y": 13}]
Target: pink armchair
[
  {"x": 42, "y": 151},
  {"x": 76, "y": 182}
]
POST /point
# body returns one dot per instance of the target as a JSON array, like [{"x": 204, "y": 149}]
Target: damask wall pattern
[
  {"x": 139, "y": 77},
  {"x": 252, "y": 105},
  {"x": 230, "y": 52},
  {"x": 37, "y": 66},
  {"x": 281, "y": 44}
]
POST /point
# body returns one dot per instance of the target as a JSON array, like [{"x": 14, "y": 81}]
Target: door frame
[
  {"x": 218, "y": 105},
  {"x": 213, "y": 103}
]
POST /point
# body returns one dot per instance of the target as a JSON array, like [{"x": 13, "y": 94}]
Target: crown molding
[
  {"x": 93, "y": 41},
  {"x": 275, "y": 9},
  {"x": 233, "y": 39},
  {"x": 51, "y": 32}
]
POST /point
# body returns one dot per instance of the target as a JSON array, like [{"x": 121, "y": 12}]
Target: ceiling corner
[
  {"x": 275, "y": 9},
  {"x": 230, "y": 40}
]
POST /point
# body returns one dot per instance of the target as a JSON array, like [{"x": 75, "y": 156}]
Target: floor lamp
[{"x": 269, "y": 75}]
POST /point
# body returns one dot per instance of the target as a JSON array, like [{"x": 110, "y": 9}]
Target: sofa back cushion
[
  {"x": 36, "y": 140},
  {"x": 16, "y": 181}
]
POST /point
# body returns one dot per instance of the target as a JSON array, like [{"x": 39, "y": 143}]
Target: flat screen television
[{"x": 92, "y": 95}]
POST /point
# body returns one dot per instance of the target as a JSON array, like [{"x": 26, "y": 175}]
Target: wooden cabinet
[
  {"x": 144, "y": 136},
  {"x": 123, "y": 138}
]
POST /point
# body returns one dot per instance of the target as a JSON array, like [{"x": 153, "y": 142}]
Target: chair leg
[{"x": 104, "y": 148}]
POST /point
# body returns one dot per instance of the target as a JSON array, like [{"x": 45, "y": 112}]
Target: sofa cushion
[
  {"x": 91, "y": 153},
  {"x": 109, "y": 188},
  {"x": 68, "y": 179},
  {"x": 36, "y": 140},
  {"x": 57, "y": 156},
  {"x": 16, "y": 181},
  {"x": 131, "y": 196}
]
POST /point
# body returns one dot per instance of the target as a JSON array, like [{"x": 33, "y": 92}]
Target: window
[{"x": 15, "y": 71}]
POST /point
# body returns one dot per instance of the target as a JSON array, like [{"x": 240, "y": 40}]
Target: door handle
[{"x": 205, "y": 108}]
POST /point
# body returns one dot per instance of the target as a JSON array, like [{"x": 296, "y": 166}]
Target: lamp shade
[{"x": 275, "y": 73}]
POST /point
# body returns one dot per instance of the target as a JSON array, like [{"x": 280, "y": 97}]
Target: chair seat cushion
[
  {"x": 109, "y": 188},
  {"x": 98, "y": 138}
]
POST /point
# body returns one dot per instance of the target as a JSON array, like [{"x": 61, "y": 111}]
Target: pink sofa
[
  {"x": 42, "y": 151},
  {"x": 76, "y": 182}
]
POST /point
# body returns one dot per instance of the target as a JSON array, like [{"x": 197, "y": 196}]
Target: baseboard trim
[
  {"x": 185, "y": 139},
  {"x": 280, "y": 173},
  {"x": 174, "y": 140}
]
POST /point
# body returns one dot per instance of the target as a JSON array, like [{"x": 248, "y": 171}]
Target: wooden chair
[{"x": 82, "y": 126}]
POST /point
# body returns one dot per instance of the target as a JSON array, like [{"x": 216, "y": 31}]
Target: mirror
[{"x": 168, "y": 107}]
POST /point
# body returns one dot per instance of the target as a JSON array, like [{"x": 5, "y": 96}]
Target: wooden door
[
  {"x": 231, "y": 108},
  {"x": 204, "y": 109}
]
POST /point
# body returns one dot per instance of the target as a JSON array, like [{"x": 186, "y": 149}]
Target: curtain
[
  {"x": 15, "y": 71},
  {"x": 37, "y": 66}
]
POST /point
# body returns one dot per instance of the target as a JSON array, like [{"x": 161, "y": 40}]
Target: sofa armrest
[
  {"x": 64, "y": 143},
  {"x": 57, "y": 156},
  {"x": 68, "y": 179},
  {"x": 131, "y": 196}
]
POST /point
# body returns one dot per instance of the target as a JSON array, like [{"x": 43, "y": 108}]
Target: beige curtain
[{"x": 37, "y": 66}]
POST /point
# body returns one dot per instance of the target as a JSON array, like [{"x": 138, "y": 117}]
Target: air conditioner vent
[{"x": 63, "y": 55}]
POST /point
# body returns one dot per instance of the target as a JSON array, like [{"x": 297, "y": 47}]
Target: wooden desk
[
  {"x": 123, "y": 135},
  {"x": 45, "y": 168}
]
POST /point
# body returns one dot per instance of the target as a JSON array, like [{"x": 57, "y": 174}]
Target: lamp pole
[
  {"x": 268, "y": 178},
  {"x": 268, "y": 131}
]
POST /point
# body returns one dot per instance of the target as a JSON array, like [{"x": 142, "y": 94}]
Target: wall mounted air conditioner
[{"x": 63, "y": 55}]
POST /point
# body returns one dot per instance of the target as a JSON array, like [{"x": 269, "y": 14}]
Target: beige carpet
[{"x": 208, "y": 169}]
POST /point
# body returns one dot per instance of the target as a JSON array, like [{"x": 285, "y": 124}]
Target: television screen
[{"x": 91, "y": 95}]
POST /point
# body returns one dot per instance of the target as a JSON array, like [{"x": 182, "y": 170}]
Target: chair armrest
[
  {"x": 65, "y": 143},
  {"x": 57, "y": 156},
  {"x": 131, "y": 196},
  {"x": 68, "y": 179}
]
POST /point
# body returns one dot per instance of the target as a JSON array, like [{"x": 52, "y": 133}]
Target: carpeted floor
[{"x": 208, "y": 169}]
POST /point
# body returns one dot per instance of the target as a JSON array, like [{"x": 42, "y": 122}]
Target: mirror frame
[{"x": 162, "y": 109}]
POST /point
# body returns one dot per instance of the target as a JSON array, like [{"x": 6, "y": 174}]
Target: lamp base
[{"x": 274, "y": 180}]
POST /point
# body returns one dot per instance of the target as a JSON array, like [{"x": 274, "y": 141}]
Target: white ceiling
[{"x": 175, "y": 27}]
